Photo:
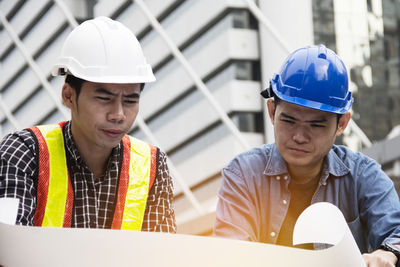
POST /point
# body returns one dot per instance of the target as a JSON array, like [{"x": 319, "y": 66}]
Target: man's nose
[
  {"x": 116, "y": 113},
  {"x": 300, "y": 135}
]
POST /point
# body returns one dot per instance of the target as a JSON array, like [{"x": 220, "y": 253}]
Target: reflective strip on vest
[
  {"x": 57, "y": 174},
  {"x": 129, "y": 210},
  {"x": 55, "y": 195}
]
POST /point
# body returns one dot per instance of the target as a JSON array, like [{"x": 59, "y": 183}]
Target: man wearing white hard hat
[{"x": 88, "y": 172}]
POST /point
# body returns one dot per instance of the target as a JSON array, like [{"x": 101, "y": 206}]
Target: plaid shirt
[{"x": 94, "y": 200}]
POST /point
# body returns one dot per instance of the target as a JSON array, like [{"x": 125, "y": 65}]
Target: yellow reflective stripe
[
  {"x": 138, "y": 188},
  {"x": 58, "y": 178}
]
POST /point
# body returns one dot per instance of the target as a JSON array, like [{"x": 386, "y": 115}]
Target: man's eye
[
  {"x": 288, "y": 121},
  {"x": 103, "y": 98},
  {"x": 130, "y": 101},
  {"x": 318, "y": 125}
]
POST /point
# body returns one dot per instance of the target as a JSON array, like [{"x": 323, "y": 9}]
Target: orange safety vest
[{"x": 54, "y": 190}]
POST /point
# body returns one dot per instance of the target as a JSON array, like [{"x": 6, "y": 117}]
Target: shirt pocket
[{"x": 357, "y": 230}]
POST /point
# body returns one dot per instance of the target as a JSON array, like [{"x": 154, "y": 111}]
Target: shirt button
[
  {"x": 278, "y": 177},
  {"x": 273, "y": 234},
  {"x": 323, "y": 183},
  {"x": 284, "y": 201},
  {"x": 285, "y": 177}
]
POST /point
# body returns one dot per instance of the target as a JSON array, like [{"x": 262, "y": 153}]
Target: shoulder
[
  {"x": 251, "y": 161},
  {"x": 351, "y": 158},
  {"x": 21, "y": 141},
  {"x": 142, "y": 148},
  {"x": 18, "y": 150},
  {"x": 361, "y": 166},
  {"x": 140, "y": 143},
  {"x": 162, "y": 179},
  {"x": 161, "y": 159}
]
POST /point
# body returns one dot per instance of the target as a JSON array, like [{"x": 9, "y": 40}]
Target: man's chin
[
  {"x": 111, "y": 143},
  {"x": 296, "y": 161}
]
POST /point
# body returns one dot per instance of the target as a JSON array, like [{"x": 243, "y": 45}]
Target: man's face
[
  {"x": 303, "y": 135},
  {"x": 103, "y": 113}
]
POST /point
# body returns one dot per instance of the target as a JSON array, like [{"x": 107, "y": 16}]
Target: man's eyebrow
[
  {"x": 133, "y": 95},
  {"x": 287, "y": 116},
  {"x": 104, "y": 91},
  {"x": 107, "y": 92},
  {"x": 318, "y": 121}
]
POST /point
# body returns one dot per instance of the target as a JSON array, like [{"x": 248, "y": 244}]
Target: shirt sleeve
[
  {"x": 17, "y": 173},
  {"x": 379, "y": 205},
  {"x": 159, "y": 215},
  {"x": 233, "y": 217}
]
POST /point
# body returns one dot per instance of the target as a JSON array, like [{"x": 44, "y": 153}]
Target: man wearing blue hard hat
[{"x": 264, "y": 190}]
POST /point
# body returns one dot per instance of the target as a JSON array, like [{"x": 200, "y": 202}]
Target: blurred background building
[{"x": 211, "y": 59}]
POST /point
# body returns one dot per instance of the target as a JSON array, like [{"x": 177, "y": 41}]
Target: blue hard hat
[{"x": 313, "y": 77}]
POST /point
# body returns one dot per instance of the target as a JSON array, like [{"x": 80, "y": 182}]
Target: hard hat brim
[
  {"x": 313, "y": 104},
  {"x": 62, "y": 70}
]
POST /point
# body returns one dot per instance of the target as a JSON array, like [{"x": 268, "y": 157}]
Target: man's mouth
[
  {"x": 298, "y": 150},
  {"x": 112, "y": 132}
]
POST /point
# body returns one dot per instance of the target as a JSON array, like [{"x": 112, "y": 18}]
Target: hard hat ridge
[
  {"x": 313, "y": 77},
  {"x": 105, "y": 51}
]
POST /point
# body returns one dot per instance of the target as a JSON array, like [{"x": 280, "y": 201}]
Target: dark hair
[
  {"x": 277, "y": 100},
  {"x": 76, "y": 83}
]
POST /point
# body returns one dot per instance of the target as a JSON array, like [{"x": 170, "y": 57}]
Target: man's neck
[
  {"x": 303, "y": 175},
  {"x": 96, "y": 161},
  {"x": 96, "y": 158}
]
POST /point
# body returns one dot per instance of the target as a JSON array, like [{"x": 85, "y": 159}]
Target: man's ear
[
  {"x": 271, "y": 109},
  {"x": 68, "y": 95},
  {"x": 342, "y": 124}
]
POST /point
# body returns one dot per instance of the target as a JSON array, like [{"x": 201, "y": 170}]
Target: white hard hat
[{"x": 105, "y": 51}]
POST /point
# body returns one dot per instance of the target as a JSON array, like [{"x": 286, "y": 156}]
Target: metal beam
[
  {"x": 28, "y": 57},
  {"x": 195, "y": 77}
]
